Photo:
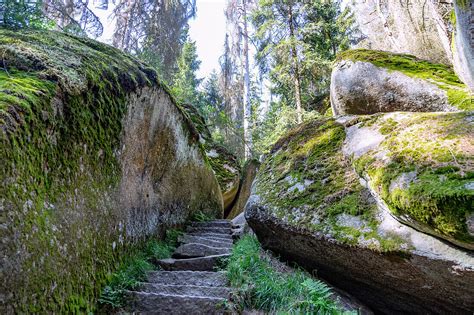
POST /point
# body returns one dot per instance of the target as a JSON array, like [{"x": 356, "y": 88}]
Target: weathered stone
[
  {"x": 206, "y": 229},
  {"x": 249, "y": 172},
  {"x": 95, "y": 156},
  {"x": 152, "y": 303},
  {"x": 207, "y": 263},
  {"x": 414, "y": 27},
  {"x": 197, "y": 278},
  {"x": 368, "y": 82},
  {"x": 340, "y": 225},
  {"x": 191, "y": 250},
  {"x": 206, "y": 241},
  {"x": 215, "y": 236},
  {"x": 214, "y": 223},
  {"x": 190, "y": 290},
  {"x": 463, "y": 43}
]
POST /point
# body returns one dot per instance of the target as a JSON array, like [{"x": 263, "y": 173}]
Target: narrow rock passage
[{"x": 189, "y": 283}]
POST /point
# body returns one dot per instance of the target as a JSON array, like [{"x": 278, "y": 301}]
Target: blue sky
[{"x": 208, "y": 30}]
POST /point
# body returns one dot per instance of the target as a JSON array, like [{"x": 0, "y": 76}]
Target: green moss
[
  {"x": 438, "y": 147},
  {"x": 62, "y": 103},
  {"x": 307, "y": 182},
  {"x": 441, "y": 75}
]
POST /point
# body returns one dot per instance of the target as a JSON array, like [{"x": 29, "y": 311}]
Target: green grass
[
  {"x": 262, "y": 287},
  {"x": 133, "y": 271}
]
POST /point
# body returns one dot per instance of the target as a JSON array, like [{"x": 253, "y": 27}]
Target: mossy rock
[
  {"x": 306, "y": 182},
  {"x": 422, "y": 167},
  {"x": 97, "y": 158},
  {"x": 367, "y": 81},
  {"x": 225, "y": 165}
]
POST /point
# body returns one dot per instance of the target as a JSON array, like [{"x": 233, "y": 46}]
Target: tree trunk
[
  {"x": 246, "y": 98},
  {"x": 294, "y": 57}
]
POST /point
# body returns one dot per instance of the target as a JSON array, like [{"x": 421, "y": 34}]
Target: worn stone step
[
  {"x": 205, "y": 229},
  {"x": 219, "y": 223},
  {"x": 153, "y": 303},
  {"x": 186, "y": 239},
  {"x": 211, "y": 235},
  {"x": 207, "y": 263},
  {"x": 193, "y": 290},
  {"x": 192, "y": 250},
  {"x": 198, "y": 278}
]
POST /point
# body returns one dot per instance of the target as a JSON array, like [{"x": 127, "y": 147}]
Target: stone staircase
[{"x": 189, "y": 283}]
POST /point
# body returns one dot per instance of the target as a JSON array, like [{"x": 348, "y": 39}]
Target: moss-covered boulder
[
  {"x": 225, "y": 165},
  {"x": 96, "y": 159},
  {"x": 368, "y": 82},
  {"x": 421, "y": 166},
  {"x": 310, "y": 205}
]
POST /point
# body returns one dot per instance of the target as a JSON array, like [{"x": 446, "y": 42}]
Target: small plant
[
  {"x": 261, "y": 287},
  {"x": 133, "y": 270},
  {"x": 200, "y": 216}
]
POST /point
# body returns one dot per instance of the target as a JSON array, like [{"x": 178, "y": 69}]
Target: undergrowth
[
  {"x": 262, "y": 287},
  {"x": 133, "y": 270}
]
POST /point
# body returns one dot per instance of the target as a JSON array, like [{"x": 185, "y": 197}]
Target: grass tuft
[
  {"x": 133, "y": 270},
  {"x": 262, "y": 287}
]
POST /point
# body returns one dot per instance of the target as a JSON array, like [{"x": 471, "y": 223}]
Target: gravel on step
[
  {"x": 211, "y": 235},
  {"x": 204, "y": 229},
  {"x": 224, "y": 224}
]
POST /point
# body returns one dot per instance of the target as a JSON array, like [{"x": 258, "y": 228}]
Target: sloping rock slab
[
  {"x": 207, "y": 263},
  {"x": 191, "y": 290},
  {"x": 392, "y": 283},
  {"x": 197, "y": 278},
  {"x": 198, "y": 250},
  {"x": 152, "y": 303}
]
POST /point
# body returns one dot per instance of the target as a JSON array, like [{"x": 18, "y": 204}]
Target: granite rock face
[
  {"x": 367, "y": 82},
  {"x": 463, "y": 44},
  {"x": 313, "y": 203},
  {"x": 98, "y": 158}
]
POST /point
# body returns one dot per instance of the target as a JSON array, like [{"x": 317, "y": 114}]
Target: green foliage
[
  {"x": 133, "y": 270},
  {"x": 277, "y": 122},
  {"x": 199, "y": 216},
  {"x": 320, "y": 30},
  {"x": 24, "y": 14},
  {"x": 185, "y": 82},
  {"x": 262, "y": 287},
  {"x": 442, "y": 75}
]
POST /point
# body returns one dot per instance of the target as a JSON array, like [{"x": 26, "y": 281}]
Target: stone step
[
  {"x": 192, "y": 250},
  {"x": 219, "y": 223},
  {"x": 207, "y": 263},
  {"x": 153, "y": 303},
  {"x": 223, "y": 243},
  {"x": 198, "y": 278},
  {"x": 211, "y": 235},
  {"x": 193, "y": 290},
  {"x": 205, "y": 229}
]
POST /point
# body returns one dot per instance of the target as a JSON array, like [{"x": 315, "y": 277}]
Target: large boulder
[
  {"x": 96, "y": 158},
  {"x": 367, "y": 82},
  {"x": 416, "y": 27},
  {"x": 463, "y": 42},
  {"x": 225, "y": 165},
  {"x": 310, "y": 205}
]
